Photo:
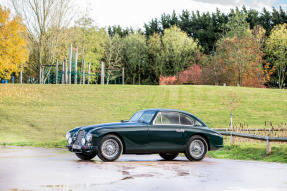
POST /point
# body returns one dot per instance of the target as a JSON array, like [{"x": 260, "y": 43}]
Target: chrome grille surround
[{"x": 81, "y": 134}]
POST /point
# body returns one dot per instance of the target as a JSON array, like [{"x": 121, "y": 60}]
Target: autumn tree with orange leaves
[
  {"x": 13, "y": 45},
  {"x": 240, "y": 55},
  {"x": 242, "y": 59}
]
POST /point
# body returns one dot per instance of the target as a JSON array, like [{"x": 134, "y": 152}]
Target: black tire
[
  {"x": 200, "y": 148},
  {"x": 168, "y": 156},
  {"x": 110, "y": 148},
  {"x": 86, "y": 156}
]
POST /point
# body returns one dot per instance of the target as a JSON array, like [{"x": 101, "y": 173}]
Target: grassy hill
[{"x": 36, "y": 114}]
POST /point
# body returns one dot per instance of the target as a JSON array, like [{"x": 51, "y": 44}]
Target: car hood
[{"x": 109, "y": 125}]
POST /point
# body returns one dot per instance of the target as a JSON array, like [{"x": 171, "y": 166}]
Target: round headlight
[
  {"x": 68, "y": 135},
  {"x": 83, "y": 141},
  {"x": 70, "y": 140},
  {"x": 89, "y": 137}
]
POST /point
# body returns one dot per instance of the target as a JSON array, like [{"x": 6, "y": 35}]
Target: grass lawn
[
  {"x": 40, "y": 115},
  {"x": 252, "y": 151}
]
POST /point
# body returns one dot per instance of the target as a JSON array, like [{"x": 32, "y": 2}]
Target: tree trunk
[{"x": 139, "y": 79}]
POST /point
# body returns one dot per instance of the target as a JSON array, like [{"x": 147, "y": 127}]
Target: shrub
[
  {"x": 168, "y": 80},
  {"x": 192, "y": 75}
]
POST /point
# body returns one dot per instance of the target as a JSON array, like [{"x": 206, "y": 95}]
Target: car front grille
[{"x": 80, "y": 135}]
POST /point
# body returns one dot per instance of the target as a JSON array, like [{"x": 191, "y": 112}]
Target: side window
[
  {"x": 185, "y": 120},
  {"x": 169, "y": 118}
]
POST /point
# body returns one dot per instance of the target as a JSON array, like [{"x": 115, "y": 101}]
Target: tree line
[{"x": 242, "y": 47}]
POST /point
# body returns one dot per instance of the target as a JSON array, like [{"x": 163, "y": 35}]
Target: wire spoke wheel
[
  {"x": 196, "y": 148},
  {"x": 110, "y": 148}
]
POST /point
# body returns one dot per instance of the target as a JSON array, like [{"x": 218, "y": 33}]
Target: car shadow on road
[{"x": 131, "y": 161}]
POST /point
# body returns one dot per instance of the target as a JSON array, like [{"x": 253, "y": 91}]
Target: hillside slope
[{"x": 43, "y": 113}]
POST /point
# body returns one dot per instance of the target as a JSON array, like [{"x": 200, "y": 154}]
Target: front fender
[{"x": 99, "y": 132}]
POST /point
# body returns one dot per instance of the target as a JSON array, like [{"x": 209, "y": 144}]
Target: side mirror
[{"x": 124, "y": 121}]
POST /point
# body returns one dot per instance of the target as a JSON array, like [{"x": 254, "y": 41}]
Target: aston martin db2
[{"x": 153, "y": 131}]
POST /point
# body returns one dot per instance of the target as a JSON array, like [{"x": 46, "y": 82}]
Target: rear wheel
[
  {"x": 86, "y": 156},
  {"x": 168, "y": 156},
  {"x": 196, "y": 148},
  {"x": 110, "y": 148}
]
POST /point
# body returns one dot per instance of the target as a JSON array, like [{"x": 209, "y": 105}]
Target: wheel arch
[
  {"x": 204, "y": 137},
  {"x": 119, "y": 136}
]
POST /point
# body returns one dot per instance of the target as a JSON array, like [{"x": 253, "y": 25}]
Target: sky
[{"x": 134, "y": 13}]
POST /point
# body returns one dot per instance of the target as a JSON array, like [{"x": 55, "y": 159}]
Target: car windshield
[{"x": 142, "y": 116}]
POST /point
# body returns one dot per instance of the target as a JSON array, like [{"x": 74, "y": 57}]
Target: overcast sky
[{"x": 135, "y": 13}]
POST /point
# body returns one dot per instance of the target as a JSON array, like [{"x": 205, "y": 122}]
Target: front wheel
[
  {"x": 86, "y": 156},
  {"x": 196, "y": 148},
  {"x": 168, "y": 156},
  {"x": 110, "y": 148}
]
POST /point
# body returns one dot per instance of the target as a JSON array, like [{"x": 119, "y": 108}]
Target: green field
[
  {"x": 41, "y": 114},
  {"x": 252, "y": 151}
]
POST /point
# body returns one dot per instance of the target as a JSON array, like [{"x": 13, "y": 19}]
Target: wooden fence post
[
  {"x": 268, "y": 146},
  {"x": 268, "y": 143},
  {"x": 231, "y": 140}
]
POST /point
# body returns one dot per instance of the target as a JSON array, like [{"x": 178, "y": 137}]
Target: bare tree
[
  {"x": 231, "y": 102},
  {"x": 45, "y": 20}
]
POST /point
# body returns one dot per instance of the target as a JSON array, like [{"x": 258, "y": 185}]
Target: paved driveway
[{"x": 56, "y": 169}]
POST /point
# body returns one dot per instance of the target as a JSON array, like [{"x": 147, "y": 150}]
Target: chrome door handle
[{"x": 179, "y": 130}]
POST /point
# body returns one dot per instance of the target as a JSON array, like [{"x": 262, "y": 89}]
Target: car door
[
  {"x": 166, "y": 133},
  {"x": 136, "y": 136}
]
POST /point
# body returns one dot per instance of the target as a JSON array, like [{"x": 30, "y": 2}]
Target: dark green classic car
[{"x": 153, "y": 131}]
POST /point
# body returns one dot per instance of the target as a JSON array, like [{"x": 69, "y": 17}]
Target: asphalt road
[{"x": 57, "y": 169}]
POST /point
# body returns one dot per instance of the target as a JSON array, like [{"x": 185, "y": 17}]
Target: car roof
[
  {"x": 163, "y": 109},
  {"x": 174, "y": 110}
]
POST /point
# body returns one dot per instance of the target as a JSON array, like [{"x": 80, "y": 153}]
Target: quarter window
[
  {"x": 185, "y": 120},
  {"x": 197, "y": 123}
]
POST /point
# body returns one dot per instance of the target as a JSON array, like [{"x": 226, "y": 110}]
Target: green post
[
  {"x": 57, "y": 65},
  {"x": 83, "y": 63},
  {"x": 76, "y": 67},
  {"x": 89, "y": 68}
]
